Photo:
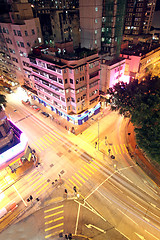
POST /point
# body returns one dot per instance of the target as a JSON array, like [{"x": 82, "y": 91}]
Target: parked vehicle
[
  {"x": 26, "y": 102},
  {"x": 45, "y": 114},
  {"x": 35, "y": 107},
  {"x": 9, "y": 208}
]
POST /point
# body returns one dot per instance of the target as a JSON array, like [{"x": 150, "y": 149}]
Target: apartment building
[
  {"x": 67, "y": 81},
  {"x": 19, "y": 31},
  {"x": 139, "y": 15}
]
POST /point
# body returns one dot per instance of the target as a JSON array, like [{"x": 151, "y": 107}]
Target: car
[
  {"x": 35, "y": 107},
  {"x": 45, "y": 114},
  {"x": 112, "y": 156},
  {"x": 27, "y": 102}
]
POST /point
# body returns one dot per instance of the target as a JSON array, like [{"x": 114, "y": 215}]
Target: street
[{"x": 116, "y": 199}]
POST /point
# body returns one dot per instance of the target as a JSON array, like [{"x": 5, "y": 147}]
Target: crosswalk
[
  {"x": 79, "y": 178},
  {"x": 115, "y": 149},
  {"x": 5, "y": 181},
  {"x": 54, "y": 220},
  {"x": 38, "y": 182},
  {"x": 46, "y": 141}
]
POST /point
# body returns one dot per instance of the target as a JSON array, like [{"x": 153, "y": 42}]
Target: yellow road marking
[
  {"x": 38, "y": 181},
  {"x": 45, "y": 141},
  {"x": 79, "y": 177},
  {"x": 86, "y": 172},
  {"x": 39, "y": 145},
  {"x": 34, "y": 179},
  {"x": 73, "y": 183},
  {"x": 115, "y": 149},
  {"x": 95, "y": 165},
  {"x": 67, "y": 187},
  {"x": 83, "y": 175},
  {"x": 30, "y": 174},
  {"x": 53, "y": 234},
  {"x": 36, "y": 148},
  {"x": 77, "y": 180},
  {"x": 54, "y": 214},
  {"x": 92, "y": 166},
  {"x": 125, "y": 147},
  {"x": 119, "y": 149},
  {"x": 53, "y": 136},
  {"x": 122, "y": 148},
  {"x": 43, "y": 188},
  {"x": 56, "y": 226},
  {"x": 48, "y": 139},
  {"x": 51, "y": 209},
  {"x": 60, "y": 135},
  {"x": 55, "y": 220},
  {"x": 33, "y": 176},
  {"x": 88, "y": 169},
  {"x": 40, "y": 185}
]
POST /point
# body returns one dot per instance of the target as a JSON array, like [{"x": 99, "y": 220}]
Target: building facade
[
  {"x": 18, "y": 33},
  {"x": 139, "y": 15},
  {"x": 68, "y": 83}
]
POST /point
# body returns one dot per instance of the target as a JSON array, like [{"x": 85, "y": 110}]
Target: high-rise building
[
  {"x": 139, "y": 14},
  {"x": 101, "y": 24},
  {"x": 59, "y": 20},
  {"x": 19, "y": 31}
]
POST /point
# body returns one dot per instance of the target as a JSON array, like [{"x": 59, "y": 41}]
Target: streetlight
[{"x": 98, "y": 134}]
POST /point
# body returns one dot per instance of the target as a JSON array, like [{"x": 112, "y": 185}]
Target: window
[
  {"x": 19, "y": 33},
  {"x": 59, "y": 70},
  {"x": 103, "y": 29},
  {"x": 18, "y": 43},
  {"x": 72, "y": 99},
  {"x": 95, "y": 31},
  {"x": 22, "y": 44},
  {"x": 77, "y": 80},
  {"x": 70, "y": 70},
  {"x": 60, "y": 80},
  {"x": 71, "y": 81},
  {"x": 53, "y": 77},
  {"x": 63, "y": 99},
  {"x": 26, "y": 33},
  {"x": 28, "y": 44},
  {"x": 96, "y": 21},
  {"x": 96, "y": 9},
  {"x": 95, "y": 41},
  {"x": 15, "y": 32},
  {"x": 66, "y": 81},
  {"x": 33, "y": 32},
  {"x": 103, "y": 39},
  {"x": 51, "y": 67},
  {"x": 68, "y": 99}
]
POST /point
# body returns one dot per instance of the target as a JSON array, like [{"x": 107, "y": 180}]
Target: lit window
[
  {"x": 96, "y": 21},
  {"x": 95, "y": 41},
  {"x": 96, "y": 9},
  {"x": 103, "y": 29},
  {"x": 39, "y": 40},
  {"x": 103, "y": 39},
  {"x": 95, "y": 31}
]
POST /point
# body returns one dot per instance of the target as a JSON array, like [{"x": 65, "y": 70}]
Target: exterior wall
[
  {"x": 67, "y": 88},
  {"x": 132, "y": 63},
  {"x": 90, "y": 23}
]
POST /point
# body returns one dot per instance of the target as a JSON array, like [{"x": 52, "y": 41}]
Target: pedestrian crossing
[
  {"x": 46, "y": 141},
  {"x": 54, "y": 221},
  {"x": 5, "y": 181},
  {"x": 81, "y": 176},
  {"x": 38, "y": 182}
]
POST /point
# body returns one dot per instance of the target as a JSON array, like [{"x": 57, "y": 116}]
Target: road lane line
[
  {"x": 151, "y": 234},
  {"x": 56, "y": 226},
  {"x": 52, "y": 209},
  {"x": 54, "y": 214},
  {"x": 55, "y": 233},
  {"x": 115, "y": 149},
  {"x": 127, "y": 216},
  {"x": 77, "y": 180},
  {"x": 20, "y": 195},
  {"x": 55, "y": 220},
  {"x": 80, "y": 177},
  {"x": 39, "y": 146},
  {"x": 83, "y": 175},
  {"x": 36, "y": 147},
  {"x": 119, "y": 149},
  {"x": 86, "y": 172},
  {"x": 88, "y": 169},
  {"x": 43, "y": 188},
  {"x": 73, "y": 183},
  {"x": 115, "y": 186}
]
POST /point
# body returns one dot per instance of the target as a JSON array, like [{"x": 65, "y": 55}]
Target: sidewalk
[{"x": 151, "y": 169}]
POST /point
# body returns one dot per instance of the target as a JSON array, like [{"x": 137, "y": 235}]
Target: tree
[
  {"x": 141, "y": 103},
  {"x": 2, "y": 101}
]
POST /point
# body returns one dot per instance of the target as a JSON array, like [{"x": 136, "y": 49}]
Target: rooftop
[{"x": 139, "y": 49}]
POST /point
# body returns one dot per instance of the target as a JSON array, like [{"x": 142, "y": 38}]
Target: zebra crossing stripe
[
  {"x": 36, "y": 148},
  {"x": 86, "y": 172},
  {"x": 83, "y": 175},
  {"x": 92, "y": 167},
  {"x": 77, "y": 180},
  {"x": 119, "y": 149},
  {"x": 88, "y": 169},
  {"x": 39, "y": 145},
  {"x": 80, "y": 177},
  {"x": 47, "y": 139},
  {"x": 73, "y": 183}
]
